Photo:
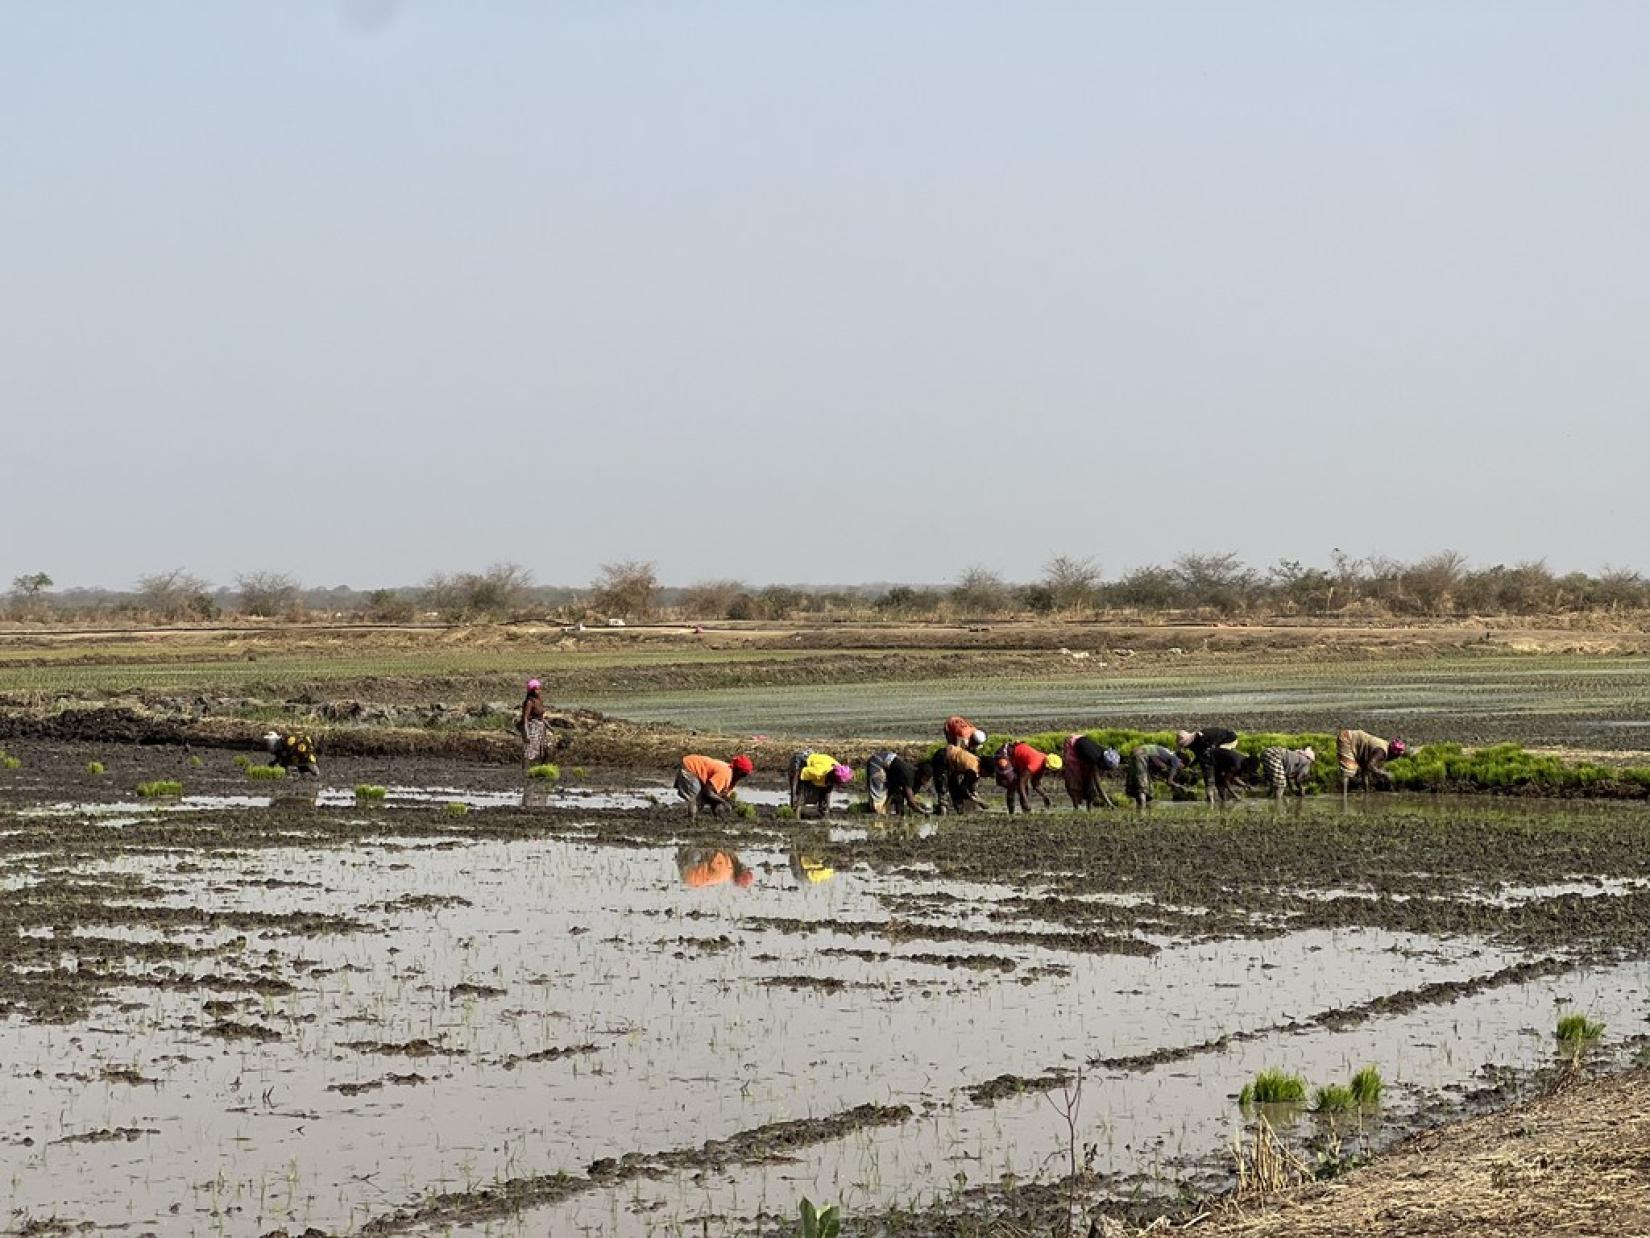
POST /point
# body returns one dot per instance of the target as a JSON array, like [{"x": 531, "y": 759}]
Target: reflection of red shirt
[
  {"x": 958, "y": 730},
  {"x": 713, "y": 872},
  {"x": 1026, "y": 759}
]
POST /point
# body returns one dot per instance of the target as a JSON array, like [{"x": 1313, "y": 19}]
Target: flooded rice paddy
[{"x": 571, "y": 1011}]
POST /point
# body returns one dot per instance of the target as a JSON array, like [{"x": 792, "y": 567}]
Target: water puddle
[{"x": 353, "y": 1029}]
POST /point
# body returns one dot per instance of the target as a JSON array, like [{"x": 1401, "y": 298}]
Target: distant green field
[{"x": 1578, "y": 702}]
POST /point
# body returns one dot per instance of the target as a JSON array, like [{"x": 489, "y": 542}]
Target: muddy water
[{"x": 521, "y": 1009}]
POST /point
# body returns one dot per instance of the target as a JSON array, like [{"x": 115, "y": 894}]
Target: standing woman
[{"x": 534, "y": 731}]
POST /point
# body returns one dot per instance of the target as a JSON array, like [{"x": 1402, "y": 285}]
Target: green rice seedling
[
  {"x": 1333, "y": 1098},
  {"x": 195, "y": 762},
  {"x": 744, "y": 811},
  {"x": 265, "y": 772},
  {"x": 243, "y": 761},
  {"x": 548, "y": 772},
  {"x": 367, "y": 791},
  {"x": 1578, "y": 1029},
  {"x": 161, "y": 788},
  {"x": 7, "y": 761},
  {"x": 457, "y": 808},
  {"x": 1366, "y": 1087},
  {"x": 818, "y": 1222},
  {"x": 787, "y": 813},
  {"x": 94, "y": 768},
  {"x": 1273, "y": 1087},
  {"x": 580, "y": 772}
]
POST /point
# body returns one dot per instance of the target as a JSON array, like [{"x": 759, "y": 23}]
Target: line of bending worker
[{"x": 957, "y": 767}]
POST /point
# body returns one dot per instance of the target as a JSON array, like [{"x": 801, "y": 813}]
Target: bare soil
[{"x": 1576, "y": 1162}]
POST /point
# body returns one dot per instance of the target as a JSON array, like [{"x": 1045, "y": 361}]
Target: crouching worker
[
  {"x": 705, "y": 782},
  {"x": 1203, "y": 745},
  {"x": 1363, "y": 757},
  {"x": 892, "y": 780},
  {"x": 814, "y": 775},
  {"x": 956, "y": 773},
  {"x": 1086, "y": 762},
  {"x": 1149, "y": 761},
  {"x": 1020, "y": 767},
  {"x": 1287, "y": 769},
  {"x": 1231, "y": 771},
  {"x": 963, "y": 733},
  {"x": 293, "y": 752}
]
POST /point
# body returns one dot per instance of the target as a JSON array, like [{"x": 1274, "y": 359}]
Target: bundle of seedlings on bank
[
  {"x": 548, "y": 772},
  {"x": 265, "y": 772},
  {"x": 161, "y": 788},
  {"x": 368, "y": 791}
]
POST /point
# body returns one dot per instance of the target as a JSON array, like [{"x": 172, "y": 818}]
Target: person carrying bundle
[
  {"x": 1362, "y": 758},
  {"x": 537, "y": 744},
  {"x": 813, "y": 776},
  {"x": 891, "y": 779}
]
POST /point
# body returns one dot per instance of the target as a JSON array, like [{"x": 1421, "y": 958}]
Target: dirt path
[{"x": 1574, "y": 1163}]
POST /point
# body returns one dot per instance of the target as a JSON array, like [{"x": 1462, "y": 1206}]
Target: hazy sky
[{"x": 823, "y": 291}]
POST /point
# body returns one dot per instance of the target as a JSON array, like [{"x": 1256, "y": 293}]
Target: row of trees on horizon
[{"x": 1217, "y": 585}]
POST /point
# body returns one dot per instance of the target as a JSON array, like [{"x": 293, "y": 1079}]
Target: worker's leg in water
[{"x": 687, "y": 786}]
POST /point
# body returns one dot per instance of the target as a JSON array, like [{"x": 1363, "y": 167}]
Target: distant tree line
[{"x": 1211, "y": 586}]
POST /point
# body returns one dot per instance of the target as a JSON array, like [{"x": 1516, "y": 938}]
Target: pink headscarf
[{"x": 533, "y": 685}]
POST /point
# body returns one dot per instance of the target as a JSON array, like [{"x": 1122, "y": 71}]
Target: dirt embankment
[
  {"x": 1576, "y": 1162},
  {"x": 349, "y": 728}
]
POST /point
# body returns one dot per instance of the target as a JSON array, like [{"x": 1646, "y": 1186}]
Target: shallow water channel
[{"x": 518, "y": 1010}]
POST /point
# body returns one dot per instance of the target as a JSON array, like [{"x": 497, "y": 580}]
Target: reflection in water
[
  {"x": 809, "y": 867},
  {"x": 711, "y": 866},
  {"x": 296, "y": 792}
]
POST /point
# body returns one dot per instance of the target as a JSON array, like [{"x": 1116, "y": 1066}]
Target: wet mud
[{"x": 282, "y": 991}]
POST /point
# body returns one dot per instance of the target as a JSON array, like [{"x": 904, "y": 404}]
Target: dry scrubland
[{"x": 457, "y": 1004}]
